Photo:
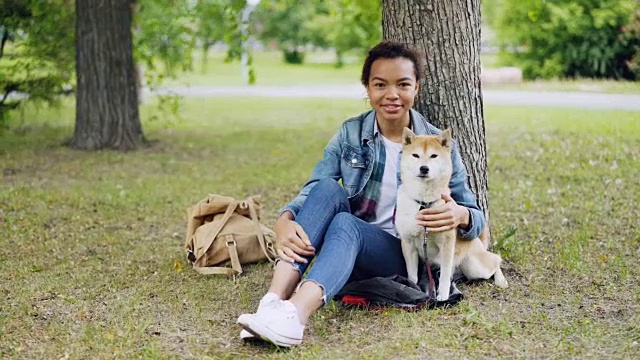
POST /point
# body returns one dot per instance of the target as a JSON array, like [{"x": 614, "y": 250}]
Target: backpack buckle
[
  {"x": 191, "y": 256},
  {"x": 231, "y": 242}
]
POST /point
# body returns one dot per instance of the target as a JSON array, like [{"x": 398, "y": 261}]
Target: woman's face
[{"x": 392, "y": 89}]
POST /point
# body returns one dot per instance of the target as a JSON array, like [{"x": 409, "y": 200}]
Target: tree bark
[
  {"x": 447, "y": 33},
  {"x": 107, "y": 101}
]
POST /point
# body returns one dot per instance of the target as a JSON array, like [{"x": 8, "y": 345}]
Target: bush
[
  {"x": 569, "y": 38},
  {"x": 293, "y": 57},
  {"x": 630, "y": 32}
]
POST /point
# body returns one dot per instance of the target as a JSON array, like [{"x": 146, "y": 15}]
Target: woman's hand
[
  {"x": 443, "y": 218},
  {"x": 292, "y": 243}
]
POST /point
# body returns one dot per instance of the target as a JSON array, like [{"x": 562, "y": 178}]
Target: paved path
[{"x": 491, "y": 97}]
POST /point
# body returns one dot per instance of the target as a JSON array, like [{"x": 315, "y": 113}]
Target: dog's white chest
[
  {"x": 406, "y": 222},
  {"x": 409, "y": 230}
]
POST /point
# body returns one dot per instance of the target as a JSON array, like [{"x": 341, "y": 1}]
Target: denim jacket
[{"x": 349, "y": 156}]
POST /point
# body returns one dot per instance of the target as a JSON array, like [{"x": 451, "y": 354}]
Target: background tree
[
  {"x": 107, "y": 102},
  {"x": 447, "y": 33},
  {"x": 633, "y": 31},
  {"x": 560, "y": 38},
  {"x": 288, "y": 23},
  {"x": 164, "y": 39},
  {"x": 38, "y": 55},
  {"x": 213, "y": 24},
  {"x": 36, "y": 52},
  {"x": 341, "y": 25},
  {"x": 347, "y": 25}
]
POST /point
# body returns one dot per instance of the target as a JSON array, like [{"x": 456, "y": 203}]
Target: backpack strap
[
  {"x": 227, "y": 214},
  {"x": 254, "y": 218},
  {"x": 236, "y": 267}
]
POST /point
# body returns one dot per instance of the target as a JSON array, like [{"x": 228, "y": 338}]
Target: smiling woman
[
  {"x": 99, "y": 290},
  {"x": 391, "y": 90},
  {"x": 349, "y": 230}
]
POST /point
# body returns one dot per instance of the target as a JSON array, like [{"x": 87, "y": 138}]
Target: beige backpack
[{"x": 223, "y": 230}]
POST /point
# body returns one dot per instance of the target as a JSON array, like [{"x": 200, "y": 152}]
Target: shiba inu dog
[{"x": 425, "y": 171}]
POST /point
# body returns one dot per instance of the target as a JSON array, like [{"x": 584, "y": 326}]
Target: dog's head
[{"x": 426, "y": 157}]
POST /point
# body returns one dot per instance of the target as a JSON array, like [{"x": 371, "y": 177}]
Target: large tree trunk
[
  {"x": 107, "y": 101},
  {"x": 447, "y": 32}
]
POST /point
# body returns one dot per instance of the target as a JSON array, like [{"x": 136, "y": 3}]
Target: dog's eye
[
  {"x": 433, "y": 156},
  {"x": 416, "y": 156}
]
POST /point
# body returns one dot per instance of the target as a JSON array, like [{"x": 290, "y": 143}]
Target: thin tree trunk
[
  {"x": 205, "y": 56},
  {"x": 107, "y": 101},
  {"x": 447, "y": 32}
]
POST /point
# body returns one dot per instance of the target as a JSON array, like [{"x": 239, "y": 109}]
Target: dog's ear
[
  {"x": 407, "y": 136},
  {"x": 445, "y": 138}
]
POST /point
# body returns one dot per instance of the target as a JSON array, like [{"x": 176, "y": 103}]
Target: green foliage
[
  {"x": 37, "y": 54},
  {"x": 211, "y": 16},
  {"x": 559, "y": 38},
  {"x": 213, "y": 21},
  {"x": 288, "y": 22},
  {"x": 164, "y": 40},
  {"x": 342, "y": 25},
  {"x": 233, "y": 35},
  {"x": 167, "y": 32},
  {"x": 633, "y": 31},
  {"x": 219, "y": 20},
  {"x": 349, "y": 25}
]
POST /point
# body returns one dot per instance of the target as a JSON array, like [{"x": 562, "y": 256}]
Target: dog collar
[{"x": 424, "y": 205}]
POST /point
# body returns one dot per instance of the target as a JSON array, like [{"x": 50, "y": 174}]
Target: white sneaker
[
  {"x": 279, "y": 325},
  {"x": 267, "y": 301},
  {"x": 246, "y": 336}
]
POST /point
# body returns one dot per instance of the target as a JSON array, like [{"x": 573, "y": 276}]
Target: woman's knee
[
  {"x": 344, "y": 227},
  {"x": 329, "y": 187}
]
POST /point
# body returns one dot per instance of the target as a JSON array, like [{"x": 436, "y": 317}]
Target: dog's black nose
[{"x": 424, "y": 170}]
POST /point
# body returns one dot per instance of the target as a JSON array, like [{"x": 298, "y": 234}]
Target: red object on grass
[{"x": 355, "y": 300}]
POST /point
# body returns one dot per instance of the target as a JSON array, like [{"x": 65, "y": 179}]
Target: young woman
[{"x": 348, "y": 228}]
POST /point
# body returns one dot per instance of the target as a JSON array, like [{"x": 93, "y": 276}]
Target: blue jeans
[{"x": 347, "y": 248}]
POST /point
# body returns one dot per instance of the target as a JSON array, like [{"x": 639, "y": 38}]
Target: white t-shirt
[{"x": 388, "y": 188}]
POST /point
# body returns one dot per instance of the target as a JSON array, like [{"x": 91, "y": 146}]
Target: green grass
[
  {"x": 319, "y": 69},
  {"x": 579, "y": 85},
  {"x": 93, "y": 267},
  {"x": 271, "y": 70}
]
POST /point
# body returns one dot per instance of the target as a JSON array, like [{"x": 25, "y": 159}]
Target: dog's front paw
[
  {"x": 499, "y": 279},
  {"x": 442, "y": 296},
  {"x": 501, "y": 282}
]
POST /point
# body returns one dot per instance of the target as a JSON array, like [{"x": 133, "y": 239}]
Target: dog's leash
[{"x": 432, "y": 285}]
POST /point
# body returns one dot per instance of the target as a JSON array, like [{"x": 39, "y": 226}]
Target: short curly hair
[{"x": 390, "y": 50}]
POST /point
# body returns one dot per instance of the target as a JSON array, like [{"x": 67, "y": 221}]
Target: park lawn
[
  {"x": 93, "y": 265},
  {"x": 577, "y": 85},
  {"x": 270, "y": 70},
  {"x": 319, "y": 69}
]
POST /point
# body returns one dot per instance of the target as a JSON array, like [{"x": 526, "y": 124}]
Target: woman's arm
[
  {"x": 460, "y": 210},
  {"x": 463, "y": 196},
  {"x": 292, "y": 242}
]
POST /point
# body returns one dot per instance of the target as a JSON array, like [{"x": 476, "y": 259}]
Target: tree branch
[
  {"x": 8, "y": 89},
  {"x": 5, "y": 37}
]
